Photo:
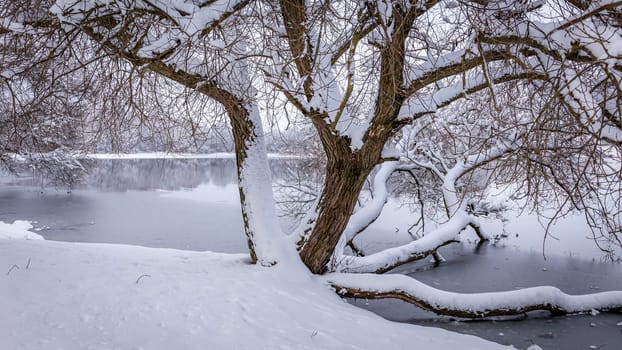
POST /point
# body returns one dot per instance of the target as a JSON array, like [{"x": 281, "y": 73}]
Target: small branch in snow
[
  {"x": 140, "y": 277},
  {"x": 15, "y": 266},
  {"x": 596, "y": 347},
  {"x": 11, "y": 269}
]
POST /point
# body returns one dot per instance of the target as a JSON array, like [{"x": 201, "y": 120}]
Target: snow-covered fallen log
[{"x": 471, "y": 305}]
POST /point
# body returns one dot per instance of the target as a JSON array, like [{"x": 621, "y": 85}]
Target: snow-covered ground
[{"x": 60, "y": 295}]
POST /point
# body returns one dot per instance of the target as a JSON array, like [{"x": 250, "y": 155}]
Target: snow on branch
[
  {"x": 415, "y": 108},
  {"x": 455, "y": 208},
  {"x": 449, "y": 65},
  {"x": 366, "y": 215},
  {"x": 471, "y": 305},
  {"x": 392, "y": 257},
  {"x": 190, "y": 17},
  {"x": 173, "y": 32}
]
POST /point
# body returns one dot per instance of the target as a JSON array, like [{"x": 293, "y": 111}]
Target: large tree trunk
[{"x": 342, "y": 185}]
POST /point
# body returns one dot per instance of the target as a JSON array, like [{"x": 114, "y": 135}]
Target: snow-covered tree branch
[{"x": 475, "y": 305}]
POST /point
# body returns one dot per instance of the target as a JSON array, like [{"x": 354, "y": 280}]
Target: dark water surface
[
  {"x": 472, "y": 269},
  {"x": 193, "y": 204}
]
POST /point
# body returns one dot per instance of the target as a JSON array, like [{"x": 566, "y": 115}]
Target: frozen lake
[{"x": 193, "y": 204}]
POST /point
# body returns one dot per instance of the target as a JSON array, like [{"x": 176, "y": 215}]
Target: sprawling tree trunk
[{"x": 347, "y": 169}]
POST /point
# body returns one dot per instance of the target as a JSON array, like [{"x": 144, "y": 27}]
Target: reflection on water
[{"x": 164, "y": 174}]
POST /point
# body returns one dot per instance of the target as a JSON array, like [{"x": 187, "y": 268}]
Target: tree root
[{"x": 471, "y": 305}]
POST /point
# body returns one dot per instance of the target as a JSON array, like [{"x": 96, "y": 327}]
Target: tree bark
[
  {"x": 345, "y": 177},
  {"x": 346, "y": 170},
  {"x": 242, "y": 130}
]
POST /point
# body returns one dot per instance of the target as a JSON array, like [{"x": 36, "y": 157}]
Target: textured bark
[
  {"x": 342, "y": 185},
  {"x": 242, "y": 129},
  {"x": 346, "y": 170}
]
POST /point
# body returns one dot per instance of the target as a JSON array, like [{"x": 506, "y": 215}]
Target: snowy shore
[{"x": 57, "y": 295}]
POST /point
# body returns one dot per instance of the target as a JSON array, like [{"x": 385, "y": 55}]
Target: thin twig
[
  {"x": 141, "y": 276},
  {"x": 11, "y": 269}
]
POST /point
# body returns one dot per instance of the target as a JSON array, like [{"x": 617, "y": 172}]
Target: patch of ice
[{"x": 594, "y": 312}]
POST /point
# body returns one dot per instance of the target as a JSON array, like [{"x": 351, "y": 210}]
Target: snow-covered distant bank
[
  {"x": 57, "y": 295},
  {"x": 149, "y": 155},
  {"x": 164, "y": 155}
]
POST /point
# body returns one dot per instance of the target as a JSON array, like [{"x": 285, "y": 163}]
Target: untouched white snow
[
  {"x": 18, "y": 230},
  {"x": 103, "y": 296}
]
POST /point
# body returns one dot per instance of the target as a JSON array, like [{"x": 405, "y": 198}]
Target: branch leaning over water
[{"x": 470, "y": 305}]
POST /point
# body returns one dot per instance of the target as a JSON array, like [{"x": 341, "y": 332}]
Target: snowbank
[
  {"x": 18, "y": 230},
  {"x": 102, "y": 296}
]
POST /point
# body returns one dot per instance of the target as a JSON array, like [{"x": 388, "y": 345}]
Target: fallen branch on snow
[{"x": 471, "y": 305}]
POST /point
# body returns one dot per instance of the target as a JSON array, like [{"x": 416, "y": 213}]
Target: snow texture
[
  {"x": 20, "y": 229},
  {"x": 201, "y": 16},
  {"x": 104, "y": 296}
]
